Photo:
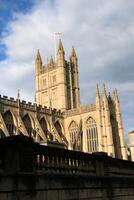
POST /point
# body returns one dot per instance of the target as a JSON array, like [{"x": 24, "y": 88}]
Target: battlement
[
  {"x": 10, "y": 101},
  {"x": 82, "y": 109}
]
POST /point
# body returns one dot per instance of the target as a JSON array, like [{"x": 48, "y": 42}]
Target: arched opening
[
  {"x": 28, "y": 125},
  {"x": 92, "y": 135},
  {"x": 58, "y": 128},
  {"x": 43, "y": 124},
  {"x": 8, "y": 119},
  {"x": 73, "y": 132}
]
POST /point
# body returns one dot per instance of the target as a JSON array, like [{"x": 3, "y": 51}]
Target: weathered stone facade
[{"x": 58, "y": 116}]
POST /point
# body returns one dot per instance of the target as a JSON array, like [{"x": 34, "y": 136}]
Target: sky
[{"x": 102, "y": 33}]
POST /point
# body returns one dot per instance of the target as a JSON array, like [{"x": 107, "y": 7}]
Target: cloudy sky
[{"x": 102, "y": 32}]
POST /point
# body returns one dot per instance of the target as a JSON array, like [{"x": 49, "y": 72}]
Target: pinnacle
[
  {"x": 60, "y": 47},
  {"x": 18, "y": 94},
  {"x": 116, "y": 94},
  {"x": 38, "y": 55},
  {"x": 51, "y": 60},
  {"x": 73, "y": 53},
  {"x": 97, "y": 90},
  {"x": 104, "y": 89}
]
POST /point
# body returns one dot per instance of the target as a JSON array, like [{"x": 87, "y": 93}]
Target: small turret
[
  {"x": 104, "y": 97},
  {"x": 51, "y": 61},
  {"x": 60, "y": 54},
  {"x": 38, "y": 63},
  {"x": 38, "y": 57},
  {"x": 60, "y": 47},
  {"x": 116, "y": 96},
  {"x": 104, "y": 90},
  {"x": 73, "y": 53},
  {"x": 75, "y": 79},
  {"x": 123, "y": 151},
  {"x": 73, "y": 59}
]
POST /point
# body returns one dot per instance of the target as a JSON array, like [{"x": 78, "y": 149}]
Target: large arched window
[
  {"x": 43, "y": 124},
  {"x": 73, "y": 131},
  {"x": 8, "y": 118},
  {"x": 92, "y": 135},
  {"x": 28, "y": 125}
]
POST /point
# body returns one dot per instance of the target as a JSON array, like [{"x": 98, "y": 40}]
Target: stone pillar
[
  {"x": 75, "y": 74},
  {"x": 71, "y": 90},
  {"x": 84, "y": 146},
  {"x": 38, "y": 66},
  {"x": 120, "y": 128},
  {"x": 99, "y": 124},
  {"x": 110, "y": 146}
]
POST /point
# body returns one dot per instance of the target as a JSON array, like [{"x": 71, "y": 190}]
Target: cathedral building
[{"x": 58, "y": 116}]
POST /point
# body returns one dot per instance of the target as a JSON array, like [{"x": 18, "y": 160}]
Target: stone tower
[
  {"x": 57, "y": 82},
  {"x": 90, "y": 128}
]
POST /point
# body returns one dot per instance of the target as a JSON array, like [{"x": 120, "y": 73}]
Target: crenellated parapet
[
  {"x": 80, "y": 110},
  {"x": 10, "y": 101}
]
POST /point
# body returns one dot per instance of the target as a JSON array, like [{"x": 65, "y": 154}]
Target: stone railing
[
  {"x": 61, "y": 161},
  {"x": 30, "y": 157}
]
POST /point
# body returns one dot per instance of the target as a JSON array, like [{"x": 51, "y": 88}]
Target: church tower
[{"x": 57, "y": 82}]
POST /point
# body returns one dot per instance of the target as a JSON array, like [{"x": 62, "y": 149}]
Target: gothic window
[
  {"x": 92, "y": 135},
  {"x": 73, "y": 131},
  {"x": 28, "y": 125},
  {"x": 8, "y": 118}
]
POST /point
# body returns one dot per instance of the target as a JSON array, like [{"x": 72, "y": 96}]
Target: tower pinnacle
[
  {"x": 73, "y": 52},
  {"x": 97, "y": 91},
  {"x": 38, "y": 57},
  {"x": 60, "y": 46},
  {"x": 104, "y": 90}
]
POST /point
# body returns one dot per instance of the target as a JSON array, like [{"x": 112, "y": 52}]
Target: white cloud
[{"x": 102, "y": 33}]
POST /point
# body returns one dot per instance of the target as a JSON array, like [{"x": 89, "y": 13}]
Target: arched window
[
  {"x": 73, "y": 131},
  {"x": 92, "y": 135},
  {"x": 8, "y": 118},
  {"x": 43, "y": 124},
  {"x": 28, "y": 125}
]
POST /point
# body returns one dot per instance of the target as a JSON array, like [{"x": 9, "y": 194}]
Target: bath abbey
[{"x": 57, "y": 116}]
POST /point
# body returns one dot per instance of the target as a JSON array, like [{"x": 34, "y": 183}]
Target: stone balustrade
[{"x": 34, "y": 172}]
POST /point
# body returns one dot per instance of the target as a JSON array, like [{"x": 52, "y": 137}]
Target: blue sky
[
  {"x": 7, "y": 10},
  {"x": 101, "y": 31}
]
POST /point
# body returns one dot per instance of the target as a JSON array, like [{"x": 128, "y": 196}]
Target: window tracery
[{"x": 92, "y": 135}]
